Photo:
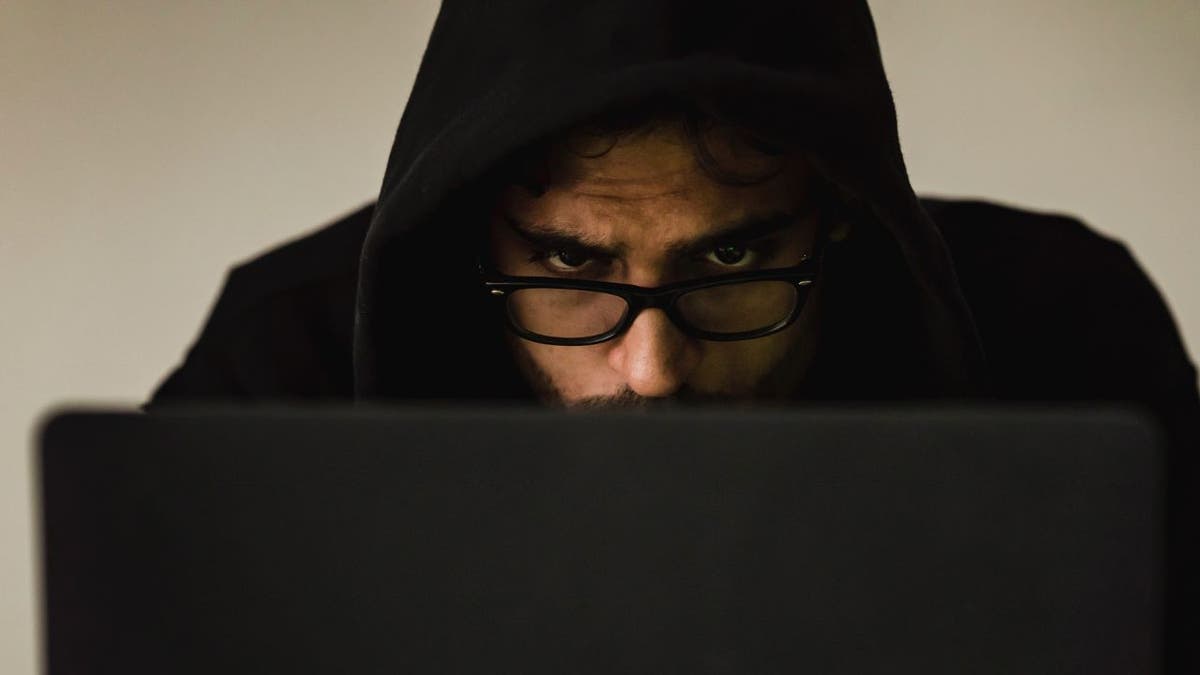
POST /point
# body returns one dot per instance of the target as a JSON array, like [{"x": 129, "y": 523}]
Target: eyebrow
[
  {"x": 553, "y": 237},
  {"x": 746, "y": 229}
]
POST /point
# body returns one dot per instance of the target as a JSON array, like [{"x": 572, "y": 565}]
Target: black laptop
[{"x": 440, "y": 539}]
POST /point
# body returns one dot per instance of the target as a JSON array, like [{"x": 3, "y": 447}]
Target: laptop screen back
[{"x": 435, "y": 539}]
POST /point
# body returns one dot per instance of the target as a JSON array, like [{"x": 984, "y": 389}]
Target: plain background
[{"x": 146, "y": 146}]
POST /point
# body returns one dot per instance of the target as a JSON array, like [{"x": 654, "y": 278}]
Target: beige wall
[{"x": 147, "y": 145}]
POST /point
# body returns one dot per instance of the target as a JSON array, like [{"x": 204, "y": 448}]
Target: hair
[
  {"x": 699, "y": 118},
  {"x": 709, "y": 123}
]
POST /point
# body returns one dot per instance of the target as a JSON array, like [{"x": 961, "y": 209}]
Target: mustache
[{"x": 627, "y": 399}]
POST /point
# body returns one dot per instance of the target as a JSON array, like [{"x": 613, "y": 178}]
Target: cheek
[
  {"x": 570, "y": 371},
  {"x": 735, "y": 367},
  {"x": 741, "y": 368}
]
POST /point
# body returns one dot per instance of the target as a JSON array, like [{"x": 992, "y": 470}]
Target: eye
[
  {"x": 563, "y": 260},
  {"x": 568, "y": 259},
  {"x": 731, "y": 255}
]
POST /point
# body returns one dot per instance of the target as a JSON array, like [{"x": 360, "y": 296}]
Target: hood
[{"x": 496, "y": 77}]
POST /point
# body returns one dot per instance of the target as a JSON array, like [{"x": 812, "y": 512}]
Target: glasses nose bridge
[
  {"x": 655, "y": 298},
  {"x": 663, "y": 299}
]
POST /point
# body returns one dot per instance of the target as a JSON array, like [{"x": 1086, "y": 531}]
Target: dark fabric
[
  {"x": 1064, "y": 314},
  {"x": 936, "y": 299},
  {"x": 282, "y": 324}
]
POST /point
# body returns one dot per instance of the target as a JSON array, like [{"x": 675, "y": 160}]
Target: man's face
[{"x": 645, "y": 213}]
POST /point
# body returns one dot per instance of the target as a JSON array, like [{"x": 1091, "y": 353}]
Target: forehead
[{"x": 655, "y": 177}]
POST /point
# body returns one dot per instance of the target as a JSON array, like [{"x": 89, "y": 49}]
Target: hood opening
[{"x": 897, "y": 323}]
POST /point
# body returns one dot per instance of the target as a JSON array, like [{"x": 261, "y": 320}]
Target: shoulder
[
  {"x": 1063, "y": 311},
  {"x": 283, "y": 322},
  {"x": 326, "y": 256},
  {"x": 1012, "y": 258},
  {"x": 986, "y": 231},
  {"x": 1041, "y": 259}
]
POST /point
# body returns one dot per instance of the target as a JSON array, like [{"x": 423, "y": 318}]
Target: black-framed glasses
[{"x": 739, "y": 306}]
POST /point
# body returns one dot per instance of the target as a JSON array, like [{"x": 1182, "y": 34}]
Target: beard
[{"x": 626, "y": 398}]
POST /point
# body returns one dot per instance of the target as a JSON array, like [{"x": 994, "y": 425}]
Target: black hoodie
[{"x": 935, "y": 298}]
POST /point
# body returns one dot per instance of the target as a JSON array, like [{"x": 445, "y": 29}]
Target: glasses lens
[
  {"x": 739, "y": 308},
  {"x": 565, "y": 313}
]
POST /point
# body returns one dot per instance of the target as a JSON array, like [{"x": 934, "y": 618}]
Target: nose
[{"x": 653, "y": 356}]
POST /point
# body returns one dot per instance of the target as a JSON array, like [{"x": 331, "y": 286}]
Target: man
[{"x": 624, "y": 203}]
